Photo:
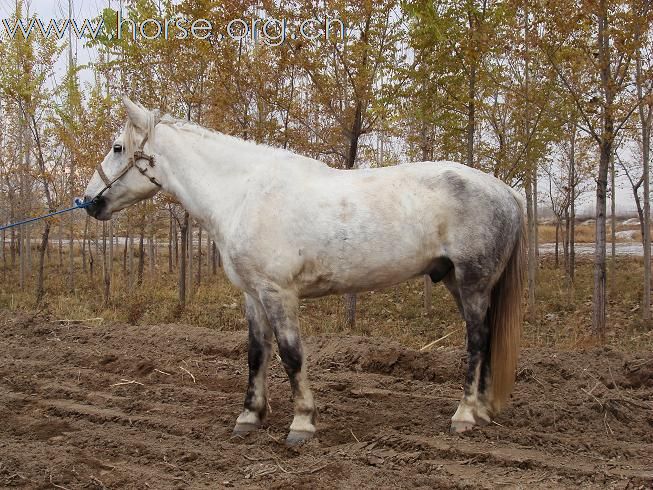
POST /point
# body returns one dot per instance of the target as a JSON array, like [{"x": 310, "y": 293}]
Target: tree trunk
[
  {"x": 111, "y": 239},
  {"x": 60, "y": 247},
  {"x": 4, "y": 254},
  {"x": 646, "y": 120},
  {"x": 572, "y": 242},
  {"x": 428, "y": 294},
  {"x": 189, "y": 248},
  {"x": 13, "y": 247},
  {"x": 170, "y": 239},
  {"x": 557, "y": 259},
  {"x": 599, "y": 299},
  {"x": 471, "y": 115},
  {"x": 91, "y": 261},
  {"x": 98, "y": 231},
  {"x": 152, "y": 252},
  {"x": 214, "y": 258},
  {"x": 40, "y": 287},
  {"x": 532, "y": 259},
  {"x": 529, "y": 181},
  {"x": 21, "y": 258},
  {"x": 606, "y": 142},
  {"x": 23, "y": 208},
  {"x": 28, "y": 250},
  {"x": 572, "y": 206},
  {"x": 130, "y": 259},
  {"x": 646, "y": 296},
  {"x": 199, "y": 256},
  {"x": 565, "y": 239},
  {"x": 71, "y": 177},
  {"x": 613, "y": 225},
  {"x": 640, "y": 210},
  {"x": 84, "y": 239},
  {"x": 125, "y": 246},
  {"x": 176, "y": 238},
  {"x": 141, "y": 254},
  {"x": 71, "y": 252},
  {"x": 536, "y": 215},
  {"x": 350, "y": 310},
  {"x": 355, "y": 133},
  {"x": 106, "y": 268},
  {"x": 182, "y": 265}
]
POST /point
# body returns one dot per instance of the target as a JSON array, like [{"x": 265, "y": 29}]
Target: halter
[{"x": 131, "y": 163}]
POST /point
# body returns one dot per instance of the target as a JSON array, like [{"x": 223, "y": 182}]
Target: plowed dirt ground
[{"x": 120, "y": 406}]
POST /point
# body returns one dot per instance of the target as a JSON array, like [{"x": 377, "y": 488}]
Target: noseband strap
[
  {"x": 138, "y": 155},
  {"x": 103, "y": 176}
]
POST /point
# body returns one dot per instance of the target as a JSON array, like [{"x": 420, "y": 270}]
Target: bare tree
[{"x": 645, "y": 111}]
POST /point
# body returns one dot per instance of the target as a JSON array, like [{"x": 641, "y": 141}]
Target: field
[
  {"x": 120, "y": 406},
  {"x": 627, "y": 230},
  {"x": 138, "y": 393}
]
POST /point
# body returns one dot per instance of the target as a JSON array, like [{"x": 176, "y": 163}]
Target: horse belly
[{"x": 357, "y": 275}]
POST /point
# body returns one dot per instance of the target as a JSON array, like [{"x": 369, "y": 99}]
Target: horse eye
[{"x": 117, "y": 148}]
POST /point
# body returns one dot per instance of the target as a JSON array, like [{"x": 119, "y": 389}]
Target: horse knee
[
  {"x": 291, "y": 353},
  {"x": 257, "y": 360},
  {"x": 281, "y": 310}
]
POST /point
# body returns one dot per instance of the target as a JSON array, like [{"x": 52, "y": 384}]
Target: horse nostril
[{"x": 93, "y": 205}]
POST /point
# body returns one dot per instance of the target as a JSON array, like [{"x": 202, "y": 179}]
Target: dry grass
[
  {"x": 587, "y": 233},
  {"x": 584, "y": 234},
  {"x": 561, "y": 318},
  {"x": 563, "y": 315}
]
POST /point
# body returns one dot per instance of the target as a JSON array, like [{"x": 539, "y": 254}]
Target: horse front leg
[
  {"x": 474, "y": 407},
  {"x": 282, "y": 312},
  {"x": 260, "y": 347}
]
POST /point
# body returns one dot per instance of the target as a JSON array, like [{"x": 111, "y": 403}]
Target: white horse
[{"x": 290, "y": 227}]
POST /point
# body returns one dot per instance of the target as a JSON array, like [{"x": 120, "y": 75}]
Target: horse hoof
[
  {"x": 244, "y": 428},
  {"x": 298, "y": 437},
  {"x": 458, "y": 427}
]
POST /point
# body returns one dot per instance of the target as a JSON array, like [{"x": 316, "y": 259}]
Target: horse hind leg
[
  {"x": 474, "y": 408},
  {"x": 449, "y": 281},
  {"x": 260, "y": 346}
]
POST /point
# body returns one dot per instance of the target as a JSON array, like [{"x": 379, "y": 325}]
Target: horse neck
[{"x": 199, "y": 170}]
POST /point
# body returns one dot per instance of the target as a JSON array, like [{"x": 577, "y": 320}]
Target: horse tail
[{"x": 505, "y": 320}]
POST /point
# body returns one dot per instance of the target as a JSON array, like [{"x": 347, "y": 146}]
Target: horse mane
[
  {"x": 195, "y": 128},
  {"x": 132, "y": 136}
]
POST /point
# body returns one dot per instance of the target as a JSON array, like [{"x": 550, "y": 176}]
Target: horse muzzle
[{"x": 98, "y": 208}]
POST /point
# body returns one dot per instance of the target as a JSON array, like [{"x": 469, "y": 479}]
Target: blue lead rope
[{"x": 79, "y": 204}]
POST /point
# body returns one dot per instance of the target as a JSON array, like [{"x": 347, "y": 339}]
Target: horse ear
[{"x": 137, "y": 115}]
